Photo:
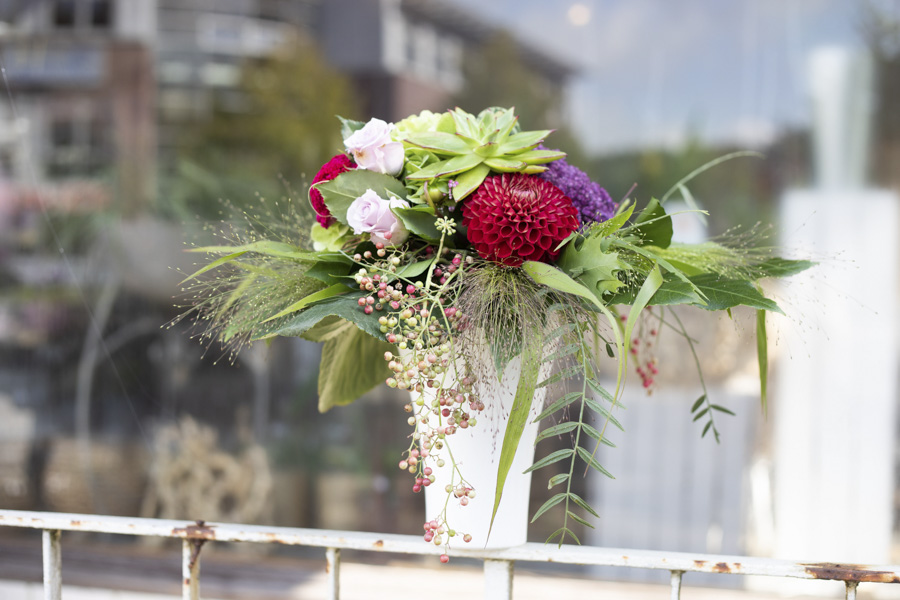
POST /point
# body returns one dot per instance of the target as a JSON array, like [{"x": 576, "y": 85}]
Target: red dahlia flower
[
  {"x": 334, "y": 167},
  {"x": 512, "y": 218}
]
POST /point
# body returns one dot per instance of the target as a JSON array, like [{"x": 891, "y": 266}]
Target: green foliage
[
  {"x": 282, "y": 127},
  {"x": 351, "y": 365},
  {"x": 480, "y": 145},
  {"x": 340, "y": 192}
]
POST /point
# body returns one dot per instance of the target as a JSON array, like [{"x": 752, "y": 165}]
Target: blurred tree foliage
[
  {"x": 280, "y": 131},
  {"x": 741, "y": 191}
]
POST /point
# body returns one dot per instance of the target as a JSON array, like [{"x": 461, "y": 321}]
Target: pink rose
[
  {"x": 372, "y": 214},
  {"x": 373, "y": 149}
]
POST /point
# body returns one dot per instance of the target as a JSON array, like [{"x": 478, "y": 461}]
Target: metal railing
[{"x": 498, "y": 564}]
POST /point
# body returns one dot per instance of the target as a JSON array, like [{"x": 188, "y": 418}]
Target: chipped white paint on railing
[{"x": 498, "y": 562}]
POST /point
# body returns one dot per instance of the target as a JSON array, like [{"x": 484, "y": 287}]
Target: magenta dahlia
[
  {"x": 334, "y": 167},
  {"x": 512, "y": 218}
]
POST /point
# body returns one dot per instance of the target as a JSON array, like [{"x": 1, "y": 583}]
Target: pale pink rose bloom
[
  {"x": 373, "y": 149},
  {"x": 372, "y": 214}
]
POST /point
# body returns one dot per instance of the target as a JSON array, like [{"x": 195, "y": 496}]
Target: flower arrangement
[{"x": 445, "y": 233}]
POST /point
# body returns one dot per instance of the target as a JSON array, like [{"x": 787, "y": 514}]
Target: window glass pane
[
  {"x": 101, "y": 13},
  {"x": 64, "y": 13}
]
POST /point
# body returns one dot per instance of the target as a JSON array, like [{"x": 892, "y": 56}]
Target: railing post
[
  {"x": 498, "y": 579},
  {"x": 333, "y": 572},
  {"x": 851, "y": 589},
  {"x": 52, "y": 565},
  {"x": 190, "y": 569},
  {"x": 676, "y": 584}
]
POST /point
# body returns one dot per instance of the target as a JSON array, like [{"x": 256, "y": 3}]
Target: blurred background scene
[{"x": 132, "y": 129}]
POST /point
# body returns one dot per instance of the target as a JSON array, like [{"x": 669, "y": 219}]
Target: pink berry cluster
[
  {"x": 646, "y": 362},
  {"x": 419, "y": 318}
]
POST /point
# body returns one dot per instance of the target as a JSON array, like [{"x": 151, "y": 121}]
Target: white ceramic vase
[{"x": 476, "y": 451}]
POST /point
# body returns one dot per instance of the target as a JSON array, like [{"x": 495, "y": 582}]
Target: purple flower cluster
[{"x": 592, "y": 201}]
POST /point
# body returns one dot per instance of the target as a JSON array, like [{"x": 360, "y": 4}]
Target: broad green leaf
[
  {"x": 351, "y": 365},
  {"x": 762, "y": 358},
  {"x": 782, "y": 267},
  {"x": 419, "y": 220},
  {"x": 414, "y": 269},
  {"x": 349, "y": 126},
  {"x": 329, "y": 292},
  {"x": 340, "y": 192},
  {"x": 518, "y": 417},
  {"x": 700, "y": 414},
  {"x": 672, "y": 291},
  {"x": 722, "y": 294},
  {"x": 590, "y": 264},
  {"x": 345, "y": 306},
  {"x": 647, "y": 252},
  {"x": 653, "y": 226},
  {"x": 331, "y": 271},
  {"x": 551, "y": 458},
  {"x": 328, "y": 328},
  {"x": 548, "y": 505},
  {"x": 552, "y": 277}
]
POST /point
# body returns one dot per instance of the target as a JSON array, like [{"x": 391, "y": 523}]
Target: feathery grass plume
[{"x": 229, "y": 303}]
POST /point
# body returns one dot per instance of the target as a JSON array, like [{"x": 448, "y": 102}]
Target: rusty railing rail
[{"x": 498, "y": 564}]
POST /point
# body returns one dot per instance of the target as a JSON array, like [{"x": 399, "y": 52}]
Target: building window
[
  {"x": 101, "y": 14},
  {"x": 82, "y": 14},
  {"x": 64, "y": 14},
  {"x": 78, "y": 145}
]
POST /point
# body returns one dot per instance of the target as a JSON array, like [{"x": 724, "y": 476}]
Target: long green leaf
[
  {"x": 548, "y": 505},
  {"x": 706, "y": 167},
  {"x": 560, "y": 403},
  {"x": 551, "y": 458},
  {"x": 518, "y": 417},
  {"x": 762, "y": 356},
  {"x": 580, "y": 502},
  {"x": 557, "y": 430},
  {"x": 329, "y": 292},
  {"x": 581, "y": 520},
  {"x": 591, "y": 461}
]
